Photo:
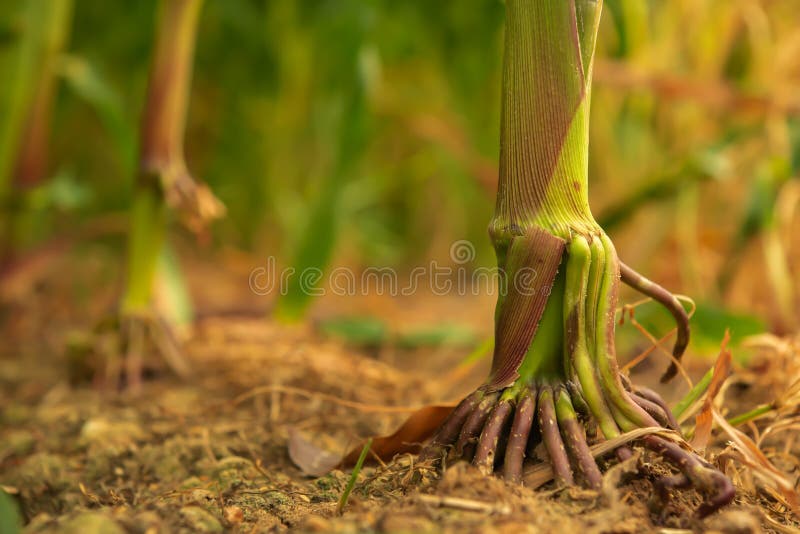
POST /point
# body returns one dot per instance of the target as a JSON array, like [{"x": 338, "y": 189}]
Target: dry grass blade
[
  {"x": 464, "y": 504},
  {"x": 750, "y": 455},
  {"x": 792, "y": 423},
  {"x": 419, "y": 427},
  {"x": 705, "y": 420},
  {"x": 655, "y": 344}
]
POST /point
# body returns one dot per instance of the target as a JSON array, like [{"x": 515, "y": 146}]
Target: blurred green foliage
[
  {"x": 365, "y": 132},
  {"x": 10, "y": 520},
  {"x": 371, "y": 332}
]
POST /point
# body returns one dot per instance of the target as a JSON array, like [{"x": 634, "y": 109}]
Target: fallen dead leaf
[
  {"x": 705, "y": 420},
  {"x": 418, "y": 428}
]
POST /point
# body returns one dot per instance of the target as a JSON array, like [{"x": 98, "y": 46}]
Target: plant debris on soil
[{"x": 210, "y": 454}]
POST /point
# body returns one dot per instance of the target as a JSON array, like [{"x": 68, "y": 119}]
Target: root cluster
[{"x": 555, "y": 418}]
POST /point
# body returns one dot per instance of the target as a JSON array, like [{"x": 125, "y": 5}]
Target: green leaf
[
  {"x": 174, "y": 300},
  {"x": 86, "y": 82},
  {"x": 708, "y": 325},
  {"x": 630, "y": 18},
  {"x": 10, "y": 520},
  {"x": 63, "y": 192},
  {"x": 359, "y": 331},
  {"x": 436, "y": 336}
]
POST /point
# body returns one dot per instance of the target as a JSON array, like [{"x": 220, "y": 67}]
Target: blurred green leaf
[
  {"x": 174, "y": 301},
  {"x": 89, "y": 85},
  {"x": 63, "y": 192},
  {"x": 710, "y": 322},
  {"x": 793, "y": 124},
  {"x": 630, "y": 21},
  {"x": 436, "y": 336},
  {"x": 360, "y": 331},
  {"x": 348, "y": 67},
  {"x": 10, "y": 520},
  {"x": 708, "y": 325}
]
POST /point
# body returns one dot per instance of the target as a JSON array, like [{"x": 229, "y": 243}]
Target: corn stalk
[
  {"x": 554, "y": 374},
  {"x": 163, "y": 179},
  {"x": 163, "y": 184}
]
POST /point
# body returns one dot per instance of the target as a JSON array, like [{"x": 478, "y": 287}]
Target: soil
[{"x": 209, "y": 454}]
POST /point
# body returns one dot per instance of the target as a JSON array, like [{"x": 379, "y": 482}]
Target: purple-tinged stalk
[
  {"x": 554, "y": 373},
  {"x": 26, "y": 124},
  {"x": 163, "y": 181}
]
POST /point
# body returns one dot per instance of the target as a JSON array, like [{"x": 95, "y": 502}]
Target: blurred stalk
[
  {"x": 761, "y": 219},
  {"x": 630, "y": 18},
  {"x": 780, "y": 276},
  {"x": 25, "y": 135},
  {"x": 161, "y": 146},
  {"x": 31, "y": 161},
  {"x": 762, "y": 195},
  {"x": 688, "y": 225}
]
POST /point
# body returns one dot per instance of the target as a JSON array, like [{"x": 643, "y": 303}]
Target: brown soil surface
[{"x": 210, "y": 454}]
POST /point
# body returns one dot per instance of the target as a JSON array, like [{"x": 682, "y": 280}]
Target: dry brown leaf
[
  {"x": 418, "y": 428},
  {"x": 312, "y": 460},
  {"x": 760, "y": 466},
  {"x": 705, "y": 420}
]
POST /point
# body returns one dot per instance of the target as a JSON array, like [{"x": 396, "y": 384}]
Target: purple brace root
[
  {"x": 552, "y": 438},
  {"x": 695, "y": 471},
  {"x": 668, "y": 300},
  {"x": 518, "y": 438},
  {"x": 486, "y": 453},
  {"x": 492, "y": 432}
]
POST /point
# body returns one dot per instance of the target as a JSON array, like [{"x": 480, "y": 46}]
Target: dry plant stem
[{"x": 554, "y": 373}]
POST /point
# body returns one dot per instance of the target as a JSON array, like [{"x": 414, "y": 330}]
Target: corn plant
[
  {"x": 25, "y": 131},
  {"x": 163, "y": 182},
  {"x": 554, "y": 374}
]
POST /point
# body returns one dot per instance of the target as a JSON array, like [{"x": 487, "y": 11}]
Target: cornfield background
[{"x": 365, "y": 133}]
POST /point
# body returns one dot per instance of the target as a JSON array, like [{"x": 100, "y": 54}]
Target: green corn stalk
[
  {"x": 44, "y": 31},
  {"x": 162, "y": 175},
  {"x": 554, "y": 352},
  {"x": 172, "y": 296},
  {"x": 542, "y": 198},
  {"x": 25, "y": 130}
]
